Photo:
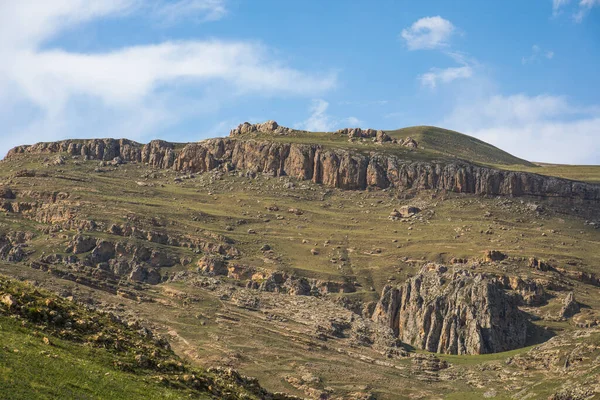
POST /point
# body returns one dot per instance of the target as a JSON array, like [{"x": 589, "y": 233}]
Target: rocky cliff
[
  {"x": 331, "y": 167},
  {"x": 453, "y": 312}
]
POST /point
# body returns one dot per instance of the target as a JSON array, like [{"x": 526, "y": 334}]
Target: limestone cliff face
[
  {"x": 157, "y": 153},
  {"x": 350, "y": 170},
  {"x": 331, "y": 167},
  {"x": 452, "y": 312}
]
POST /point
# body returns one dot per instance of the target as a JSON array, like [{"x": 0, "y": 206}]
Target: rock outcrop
[
  {"x": 570, "y": 306},
  {"x": 453, "y": 312},
  {"x": 265, "y": 127},
  {"x": 157, "y": 153},
  {"x": 404, "y": 212},
  {"x": 337, "y": 168},
  {"x": 7, "y": 193}
]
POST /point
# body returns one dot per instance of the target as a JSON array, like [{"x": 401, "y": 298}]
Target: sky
[{"x": 521, "y": 75}]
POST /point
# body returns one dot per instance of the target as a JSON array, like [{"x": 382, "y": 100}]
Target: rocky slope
[
  {"x": 131, "y": 347},
  {"x": 331, "y": 167},
  {"x": 453, "y": 312}
]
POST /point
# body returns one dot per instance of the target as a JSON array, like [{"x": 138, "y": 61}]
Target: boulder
[
  {"x": 409, "y": 211},
  {"x": 153, "y": 277},
  {"x": 7, "y": 193},
  {"x": 103, "y": 251},
  {"x": 265, "y": 127},
  {"x": 570, "y": 306},
  {"x": 213, "y": 265},
  {"x": 138, "y": 274},
  {"x": 493, "y": 255},
  {"x": 404, "y": 212},
  {"x": 382, "y": 137},
  {"x": 81, "y": 244},
  {"x": 410, "y": 143}
]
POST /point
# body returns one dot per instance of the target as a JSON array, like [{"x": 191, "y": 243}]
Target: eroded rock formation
[
  {"x": 453, "y": 312},
  {"x": 338, "y": 168}
]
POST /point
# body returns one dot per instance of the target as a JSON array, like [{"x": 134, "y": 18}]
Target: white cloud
[
  {"x": 201, "y": 10},
  {"x": 353, "y": 121},
  {"x": 320, "y": 121},
  {"x": 434, "y": 33},
  {"x": 557, "y": 5},
  {"x": 537, "y": 53},
  {"x": 447, "y": 75},
  {"x": 583, "y": 8},
  {"x": 45, "y": 93},
  {"x": 428, "y": 33},
  {"x": 541, "y": 128}
]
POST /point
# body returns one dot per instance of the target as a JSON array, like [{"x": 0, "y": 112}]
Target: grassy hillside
[
  {"x": 434, "y": 143},
  {"x": 458, "y": 145},
  {"x": 275, "y": 224},
  {"x": 52, "y": 348}
]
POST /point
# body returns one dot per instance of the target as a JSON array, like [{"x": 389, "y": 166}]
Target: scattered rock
[
  {"x": 8, "y": 300},
  {"x": 570, "y": 306},
  {"x": 494, "y": 255}
]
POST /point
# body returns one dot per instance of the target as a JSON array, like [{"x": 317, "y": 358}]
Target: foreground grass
[{"x": 31, "y": 369}]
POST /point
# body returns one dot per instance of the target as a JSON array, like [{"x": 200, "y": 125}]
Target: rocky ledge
[
  {"x": 453, "y": 312},
  {"x": 344, "y": 169}
]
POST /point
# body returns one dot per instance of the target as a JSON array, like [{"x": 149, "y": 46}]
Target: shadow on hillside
[{"x": 538, "y": 334}]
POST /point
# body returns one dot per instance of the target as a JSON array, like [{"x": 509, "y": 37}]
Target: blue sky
[{"x": 522, "y": 75}]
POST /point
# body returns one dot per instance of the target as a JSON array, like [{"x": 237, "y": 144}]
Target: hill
[
  {"x": 459, "y": 145},
  {"x": 289, "y": 255},
  {"x": 56, "y": 348}
]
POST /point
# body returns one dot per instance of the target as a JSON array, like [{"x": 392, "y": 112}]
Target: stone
[
  {"x": 452, "y": 312},
  {"x": 7, "y": 193},
  {"x": 8, "y": 300},
  {"x": 213, "y": 265},
  {"x": 403, "y": 212},
  {"x": 265, "y": 127},
  {"x": 382, "y": 137},
  {"x": 103, "y": 251},
  {"x": 81, "y": 244},
  {"x": 409, "y": 211},
  {"x": 153, "y": 277},
  {"x": 138, "y": 274},
  {"x": 493, "y": 255},
  {"x": 570, "y": 306},
  {"x": 410, "y": 143}
]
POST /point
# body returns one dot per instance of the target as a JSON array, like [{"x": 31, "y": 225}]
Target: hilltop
[{"x": 291, "y": 256}]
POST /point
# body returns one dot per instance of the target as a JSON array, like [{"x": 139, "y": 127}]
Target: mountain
[{"x": 340, "y": 265}]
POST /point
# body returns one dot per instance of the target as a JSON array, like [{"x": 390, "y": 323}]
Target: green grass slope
[
  {"x": 459, "y": 145},
  {"x": 52, "y": 348}
]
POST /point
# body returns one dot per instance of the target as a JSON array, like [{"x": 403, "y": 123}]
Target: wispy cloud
[
  {"x": 537, "y": 54},
  {"x": 582, "y": 9},
  {"x": 200, "y": 10},
  {"x": 433, "y": 33},
  {"x": 428, "y": 33},
  {"x": 54, "y": 88},
  {"x": 445, "y": 75},
  {"x": 320, "y": 121},
  {"x": 557, "y": 5}
]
